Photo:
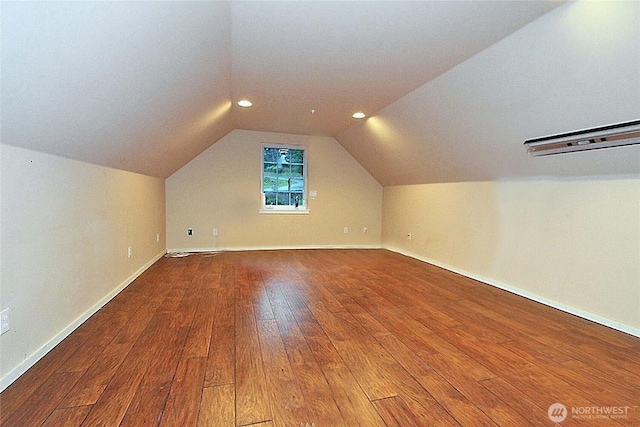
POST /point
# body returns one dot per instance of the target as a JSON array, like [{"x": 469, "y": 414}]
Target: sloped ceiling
[
  {"x": 147, "y": 86},
  {"x": 138, "y": 86},
  {"x": 575, "y": 68},
  {"x": 339, "y": 58}
]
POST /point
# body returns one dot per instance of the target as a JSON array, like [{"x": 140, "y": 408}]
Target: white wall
[
  {"x": 221, "y": 189},
  {"x": 66, "y": 226},
  {"x": 571, "y": 243}
]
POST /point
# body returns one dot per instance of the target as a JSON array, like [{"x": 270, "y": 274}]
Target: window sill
[{"x": 299, "y": 211}]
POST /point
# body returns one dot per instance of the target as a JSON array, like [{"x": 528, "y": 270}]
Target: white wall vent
[{"x": 615, "y": 135}]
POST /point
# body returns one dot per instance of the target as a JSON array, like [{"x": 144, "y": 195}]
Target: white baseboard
[
  {"x": 562, "y": 307},
  {"x": 271, "y": 248},
  {"x": 32, "y": 359}
]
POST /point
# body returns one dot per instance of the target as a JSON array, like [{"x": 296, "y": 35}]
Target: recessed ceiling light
[
  {"x": 245, "y": 103},
  {"x": 358, "y": 115}
]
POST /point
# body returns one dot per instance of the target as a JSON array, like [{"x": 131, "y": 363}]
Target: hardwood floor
[{"x": 325, "y": 338}]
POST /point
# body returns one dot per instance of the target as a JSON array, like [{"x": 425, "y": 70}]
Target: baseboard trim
[
  {"x": 537, "y": 298},
  {"x": 32, "y": 359},
  {"x": 271, "y": 248}
]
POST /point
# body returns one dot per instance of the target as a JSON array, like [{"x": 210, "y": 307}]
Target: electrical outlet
[
  {"x": 345, "y": 230},
  {"x": 364, "y": 230},
  {"x": 409, "y": 236},
  {"x": 129, "y": 252},
  {"x": 5, "y": 321},
  {"x": 215, "y": 231},
  {"x": 157, "y": 237},
  {"x": 189, "y": 231}
]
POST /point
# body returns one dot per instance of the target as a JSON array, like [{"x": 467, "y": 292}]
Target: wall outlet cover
[{"x": 5, "y": 321}]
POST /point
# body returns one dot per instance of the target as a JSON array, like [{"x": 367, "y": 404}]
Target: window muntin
[{"x": 284, "y": 178}]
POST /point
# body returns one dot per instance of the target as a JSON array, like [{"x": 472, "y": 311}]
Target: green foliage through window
[{"x": 283, "y": 175}]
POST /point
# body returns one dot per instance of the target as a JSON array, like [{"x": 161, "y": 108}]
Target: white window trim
[
  {"x": 292, "y": 211},
  {"x": 284, "y": 209}
]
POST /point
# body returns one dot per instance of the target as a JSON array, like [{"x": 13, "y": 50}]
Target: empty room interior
[{"x": 266, "y": 213}]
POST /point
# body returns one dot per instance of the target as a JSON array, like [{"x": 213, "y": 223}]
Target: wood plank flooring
[{"x": 326, "y": 338}]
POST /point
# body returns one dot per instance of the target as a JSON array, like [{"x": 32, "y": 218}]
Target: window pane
[
  {"x": 296, "y": 184},
  {"x": 296, "y": 171},
  {"x": 270, "y": 168},
  {"x": 271, "y": 154},
  {"x": 270, "y": 199},
  {"x": 283, "y": 184},
  {"x": 283, "y": 198},
  {"x": 269, "y": 183},
  {"x": 296, "y": 156}
]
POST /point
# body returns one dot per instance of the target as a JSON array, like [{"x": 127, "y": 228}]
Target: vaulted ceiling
[{"x": 147, "y": 86}]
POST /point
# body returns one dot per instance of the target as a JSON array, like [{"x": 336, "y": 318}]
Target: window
[{"x": 284, "y": 179}]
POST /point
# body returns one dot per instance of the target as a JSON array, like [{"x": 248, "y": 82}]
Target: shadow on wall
[{"x": 451, "y": 224}]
